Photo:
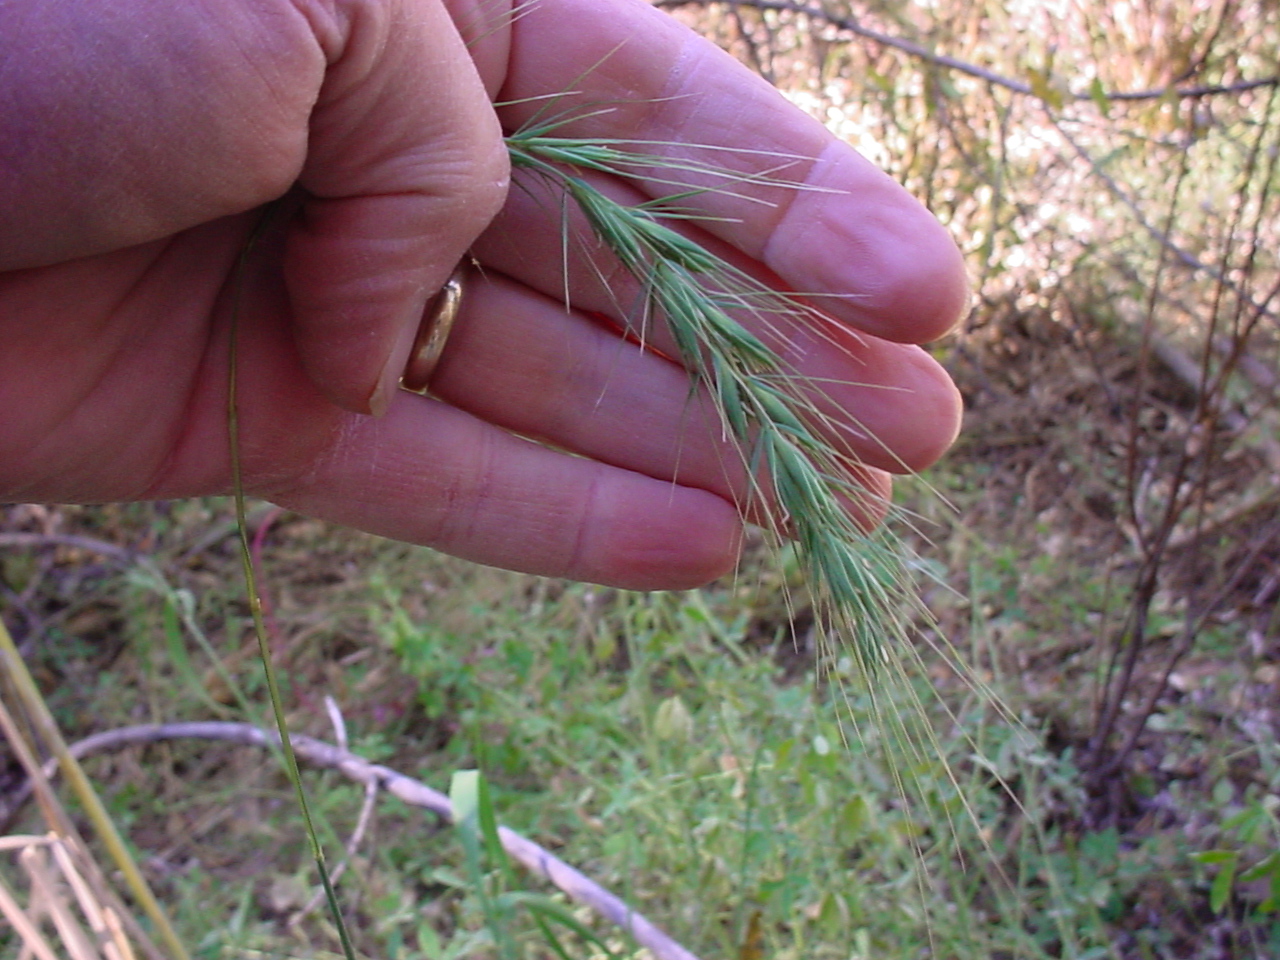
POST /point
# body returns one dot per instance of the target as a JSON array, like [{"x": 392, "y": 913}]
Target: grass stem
[{"x": 255, "y": 595}]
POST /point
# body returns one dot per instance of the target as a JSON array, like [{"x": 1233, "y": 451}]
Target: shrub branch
[{"x": 851, "y": 25}]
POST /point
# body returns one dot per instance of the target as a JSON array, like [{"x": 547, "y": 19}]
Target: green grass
[
  {"x": 693, "y": 768},
  {"x": 870, "y": 799},
  {"x": 674, "y": 747}
]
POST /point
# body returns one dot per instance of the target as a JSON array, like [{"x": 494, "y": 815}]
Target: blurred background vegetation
[{"x": 1103, "y": 547}]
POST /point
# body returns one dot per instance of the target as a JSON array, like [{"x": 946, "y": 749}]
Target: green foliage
[
  {"x": 1248, "y": 870},
  {"x": 491, "y": 878},
  {"x": 678, "y": 761}
]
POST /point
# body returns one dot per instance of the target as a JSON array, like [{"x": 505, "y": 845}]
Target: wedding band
[{"x": 433, "y": 333}]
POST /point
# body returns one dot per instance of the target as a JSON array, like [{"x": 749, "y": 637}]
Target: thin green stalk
[{"x": 255, "y": 596}]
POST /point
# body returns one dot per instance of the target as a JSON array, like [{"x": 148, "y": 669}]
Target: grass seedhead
[{"x": 801, "y": 477}]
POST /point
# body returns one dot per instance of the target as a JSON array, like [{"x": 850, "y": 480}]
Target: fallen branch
[
  {"x": 849, "y": 24},
  {"x": 374, "y": 776},
  {"x": 29, "y": 541}
]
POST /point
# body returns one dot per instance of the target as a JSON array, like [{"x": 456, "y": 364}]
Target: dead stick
[{"x": 572, "y": 882}]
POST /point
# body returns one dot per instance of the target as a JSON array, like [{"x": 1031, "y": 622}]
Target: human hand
[{"x": 138, "y": 141}]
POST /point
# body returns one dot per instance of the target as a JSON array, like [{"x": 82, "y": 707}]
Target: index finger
[{"x": 798, "y": 200}]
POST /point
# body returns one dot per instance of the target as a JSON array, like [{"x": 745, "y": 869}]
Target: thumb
[{"x": 405, "y": 167}]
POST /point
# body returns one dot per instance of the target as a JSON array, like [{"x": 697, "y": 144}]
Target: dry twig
[
  {"x": 576, "y": 885},
  {"x": 850, "y": 24}
]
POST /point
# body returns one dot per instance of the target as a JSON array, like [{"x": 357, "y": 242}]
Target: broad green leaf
[{"x": 1220, "y": 891}]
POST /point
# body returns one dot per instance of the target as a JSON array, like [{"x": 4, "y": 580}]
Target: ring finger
[{"x": 524, "y": 362}]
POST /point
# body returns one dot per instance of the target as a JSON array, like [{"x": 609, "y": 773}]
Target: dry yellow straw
[{"x": 37, "y": 713}]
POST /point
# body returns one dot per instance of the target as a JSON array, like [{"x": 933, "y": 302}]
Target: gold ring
[{"x": 433, "y": 333}]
